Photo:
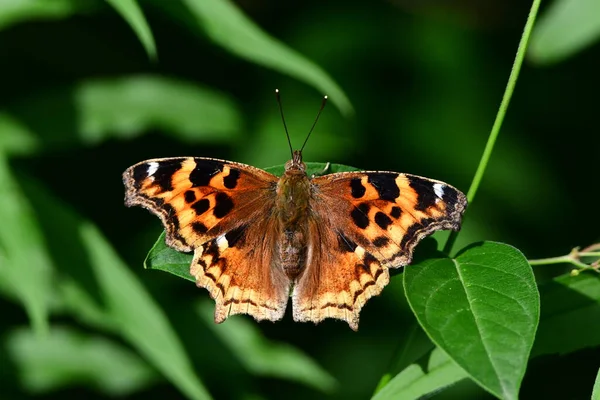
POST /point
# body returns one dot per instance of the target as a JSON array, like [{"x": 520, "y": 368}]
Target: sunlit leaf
[
  {"x": 140, "y": 319},
  {"x": 566, "y": 27},
  {"x": 227, "y": 26},
  {"x": 131, "y": 12},
  {"x": 16, "y": 138},
  {"x": 132, "y": 312},
  {"x": 18, "y": 11},
  {"x": 122, "y": 107},
  {"x": 416, "y": 381},
  {"x": 482, "y": 309},
  {"x": 596, "y": 390},
  {"x": 66, "y": 357},
  {"x": 264, "y": 357},
  {"x": 27, "y": 266}
]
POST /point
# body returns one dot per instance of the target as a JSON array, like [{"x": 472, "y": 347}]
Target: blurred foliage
[{"x": 90, "y": 87}]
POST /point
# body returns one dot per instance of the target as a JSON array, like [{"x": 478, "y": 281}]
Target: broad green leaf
[
  {"x": 227, "y": 26},
  {"x": 140, "y": 319},
  {"x": 416, "y": 381},
  {"x": 122, "y": 107},
  {"x": 66, "y": 357},
  {"x": 264, "y": 357},
  {"x": 166, "y": 259},
  {"x": 570, "y": 318},
  {"x": 566, "y": 27},
  {"x": 27, "y": 266},
  {"x": 482, "y": 309},
  {"x": 131, "y": 12},
  {"x": 596, "y": 390},
  {"x": 17, "y": 11}
]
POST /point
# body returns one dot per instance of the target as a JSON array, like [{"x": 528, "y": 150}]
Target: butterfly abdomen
[{"x": 292, "y": 210}]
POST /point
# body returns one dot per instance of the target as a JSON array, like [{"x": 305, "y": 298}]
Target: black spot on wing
[
  {"x": 345, "y": 244},
  {"x": 230, "y": 181},
  {"x": 357, "y": 188},
  {"x": 189, "y": 196},
  {"x": 381, "y": 241},
  {"x": 360, "y": 215},
  {"x": 396, "y": 212},
  {"x": 369, "y": 259},
  {"x": 199, "y": 227},
  {"x": 211, "y": 249},
  {"x": 382, "y": 220},
  {"x": 163, "y": 175},
  {"x": 425, "y": 194},
  {"x": 236, "y": 236},
  {"x": 223, "y": 205},
  {"x": 201, "y": 206},
  {"x": 204, "y": 171},
  {"x": 139, "y": 173},
  {"x": 385, "y": 184},
  {"x": 450, "y": 197}
]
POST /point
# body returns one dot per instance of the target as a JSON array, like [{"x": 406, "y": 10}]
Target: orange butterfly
[{"x": 327, "y": 241}]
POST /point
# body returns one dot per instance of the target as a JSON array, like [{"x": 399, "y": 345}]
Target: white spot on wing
[
  {"x": 152, "y": 168},
  {"x": 438, "y": 188},
  {"x": 222, "y": 243},
  {"x": 360, "y": 252}
]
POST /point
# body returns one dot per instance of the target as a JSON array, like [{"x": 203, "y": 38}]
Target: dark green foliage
[{"x": 90, "y": 87}]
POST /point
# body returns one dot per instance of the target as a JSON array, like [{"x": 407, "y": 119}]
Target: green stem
[{"x": 512, "y": 80}]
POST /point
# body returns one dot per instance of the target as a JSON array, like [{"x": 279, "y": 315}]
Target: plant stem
[
  {"x": 512, "y": 80},
  {"x": 574, "y": 258}
]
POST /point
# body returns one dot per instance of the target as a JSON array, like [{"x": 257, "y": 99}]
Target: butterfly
[{"x": 326, "y": 241}]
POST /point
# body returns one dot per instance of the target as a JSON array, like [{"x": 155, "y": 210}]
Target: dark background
[{"x": 425, "y": 80}]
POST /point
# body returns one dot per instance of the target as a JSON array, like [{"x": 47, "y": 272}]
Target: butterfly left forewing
[
  {"x": 221, "y": 211},
  {"x": 368, "y": 222}
]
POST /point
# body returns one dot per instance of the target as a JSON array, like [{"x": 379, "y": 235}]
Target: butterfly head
[{"x": 295, "y": 165}]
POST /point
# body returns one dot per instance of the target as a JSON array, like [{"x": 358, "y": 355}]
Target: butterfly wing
[
  {"x": 363, "y": 224},
  {"x": 222, "y": 211}
]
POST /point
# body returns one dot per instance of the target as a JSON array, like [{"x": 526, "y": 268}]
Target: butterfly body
[{"x": 327, "y": 241}]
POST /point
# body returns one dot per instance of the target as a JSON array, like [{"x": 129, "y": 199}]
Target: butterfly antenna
[
  {"x": 278, "y": 97},
  {"x": 314, "y": 123}
]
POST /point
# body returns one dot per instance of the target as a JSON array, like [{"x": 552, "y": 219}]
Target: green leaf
[
  {"x": 16, "y": 137},
  {"x": 17, "y": 11},
  {"x": 131, "y": 12},
  {"x": 130, "y": 310},
  {"x": 121, "y": 107},
  {"x": 567, "y": 26},
  {"x": 166, "y": 259},
  {"x": 596, "y": 390},
  {"x": 227, "y": 26},
  {"x": 265, "y": 357},
  {"x": 66, "y": 357},
  {"x": 416, "y": 380},
  {"x": 26, "y": 265},
  {"x": 571, "y": 304},
  {"x": 140, "y": 319},
  {"x": 482, "y": 309}
]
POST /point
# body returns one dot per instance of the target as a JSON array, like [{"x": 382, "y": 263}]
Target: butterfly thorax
[{"x": 292, "y": 210}]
